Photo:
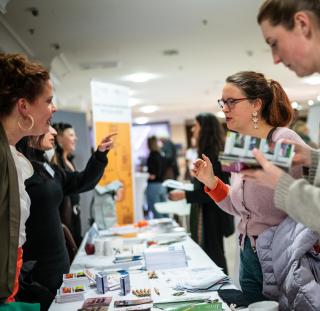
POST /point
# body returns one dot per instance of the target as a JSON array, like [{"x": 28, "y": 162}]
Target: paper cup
[
  {"x": 99, "y": 247},
  {"x": 264, "y": 306},
  {"x": 108, "y": 247}
]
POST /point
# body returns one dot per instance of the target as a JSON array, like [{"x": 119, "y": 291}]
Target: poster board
[{"x": 112, "y": 113}]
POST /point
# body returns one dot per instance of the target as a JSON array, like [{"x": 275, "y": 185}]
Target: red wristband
[{"x": 219, "y": 193}]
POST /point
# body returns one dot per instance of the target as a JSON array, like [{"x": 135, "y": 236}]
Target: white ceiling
[{"x": 214, "y": 38}]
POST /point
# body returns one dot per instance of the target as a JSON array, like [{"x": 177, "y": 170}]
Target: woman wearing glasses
[
  {"x": 291, "y": 29},
  {"x": 257, "y": 107}
]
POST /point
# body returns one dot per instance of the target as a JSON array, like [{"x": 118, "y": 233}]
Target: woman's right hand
[{"x": 203, "y": 171}]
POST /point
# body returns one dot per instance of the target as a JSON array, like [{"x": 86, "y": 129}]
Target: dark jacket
[
  {"x": 9, "y": 218},
  {"x": 208, "y": 223},
  {"x": 45, "y": 239},
  {"x": 70, "y": 207}
]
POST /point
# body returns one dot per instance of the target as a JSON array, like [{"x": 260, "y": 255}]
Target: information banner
[{"x": 112, "y": 114}]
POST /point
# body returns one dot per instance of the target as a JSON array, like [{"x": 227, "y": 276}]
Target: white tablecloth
[{"x": 196, "y": 259}]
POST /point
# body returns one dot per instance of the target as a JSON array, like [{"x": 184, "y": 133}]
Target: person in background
[
  {"x": 257, "y": 107},
  {"x": 169, "y": 150},
  {"x": 66, "y": 141},
  {"x": 191, "y": 155},
  {"x": 292, "y": 30},
  {"x": 26, "y": 109},
  {"x": 45, "y": 238},
  {"x": 208, "y": 223},
  {"x": 301, "y": 128},
  {"x": 155, "y": 192}
]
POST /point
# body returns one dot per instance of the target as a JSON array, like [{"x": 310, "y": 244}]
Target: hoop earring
[
  {"x": 255, "y": 119},
  {"x": 28, "y": 128}
]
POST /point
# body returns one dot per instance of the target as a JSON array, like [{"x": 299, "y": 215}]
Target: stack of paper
[
  {"x": 201, "y": 279},
  {"x": 165, "y": 258}
]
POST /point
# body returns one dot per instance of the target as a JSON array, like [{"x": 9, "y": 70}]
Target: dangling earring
[
  {"x": 255, "y": 119},
  {"x": 28, "y": 128}
]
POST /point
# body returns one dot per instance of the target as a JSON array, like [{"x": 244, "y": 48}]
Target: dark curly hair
[{"x": 19, "y": 78}]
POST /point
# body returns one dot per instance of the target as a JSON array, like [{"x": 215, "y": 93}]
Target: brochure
[
  {"x": 238, "y": 156},
  {"x": 171, "y": 183}
]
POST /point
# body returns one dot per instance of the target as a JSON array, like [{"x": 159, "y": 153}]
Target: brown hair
[
  {"x": 19, "y": 78},
  {"x": 153, "y": 143},
  {"x": 276, "y": 107},
  {"x": 281, "y": 12}
]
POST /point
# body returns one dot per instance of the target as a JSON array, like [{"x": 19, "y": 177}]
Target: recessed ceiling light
[
  {"x": 134, "y": 101},
  {"x": 149, "y": 109},
  {"x": 294, "y": 105},
  {"x": 318, "y": 98},
  {"x": 310, "y": 102},
  {"x": 141, "y": 120},
  {"x": 141, "y": 77},
  {"x": 313, "y": 80},
  {"x": 132, "y": 92}
]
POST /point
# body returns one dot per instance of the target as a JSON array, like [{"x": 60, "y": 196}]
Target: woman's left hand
[
  {"x": 176, "y": 195},
  {"x": 106, "y": 143},
  {"x": 268, "y": 176}
]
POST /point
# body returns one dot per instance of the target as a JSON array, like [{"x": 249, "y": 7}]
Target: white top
[{"x": 24, "y": 171}]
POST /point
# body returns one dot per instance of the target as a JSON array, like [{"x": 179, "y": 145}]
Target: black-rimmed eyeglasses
[{"x": 230, "y": 102}]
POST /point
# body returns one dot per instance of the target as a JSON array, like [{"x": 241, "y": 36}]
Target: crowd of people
[{"x": 278, "y": 210}]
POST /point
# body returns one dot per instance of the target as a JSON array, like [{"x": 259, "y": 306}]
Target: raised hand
[
  {"x": 106, "y": 143},
  {"x": 203, "y": 171},
  {"x": 176, "y": 195}
]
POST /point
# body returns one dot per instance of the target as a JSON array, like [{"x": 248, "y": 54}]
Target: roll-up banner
[{"x": 112, "y": 114}]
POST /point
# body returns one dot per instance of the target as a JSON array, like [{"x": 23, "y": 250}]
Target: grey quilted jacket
[{"x": 290, "y": 266}]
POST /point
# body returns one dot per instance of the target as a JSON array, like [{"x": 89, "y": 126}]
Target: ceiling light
[
  {"x": 134, "y": 101},
  {"x": 310, "y": 102},
  {"x": 294, "y": 105},
  {"x": 141, "y": 77},
  {"x": 132, "y": 92},
  {"x": 220, "y": 114},
  {"x": 313, "y": 80},
  {"x": 149, "y": 109},
  {"x": 318, "y": 98},
  {"x": 141, "y": 120}
]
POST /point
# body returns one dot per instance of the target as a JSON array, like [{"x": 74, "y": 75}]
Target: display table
[{"x": 139, "y": 279}]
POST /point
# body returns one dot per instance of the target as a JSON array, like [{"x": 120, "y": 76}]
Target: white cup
[
  {"x": 264, "y": 306},
  {"x": 99, "y": 247},
  {"x": 108, "y": 247}
]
